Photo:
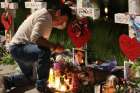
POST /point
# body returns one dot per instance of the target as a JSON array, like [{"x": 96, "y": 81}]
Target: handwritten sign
[
  {"x": 122, "y": 18},
  {"x": 35, "y": 5},
  {"x": 85, "y": 11},
  {"x": 92, "y": 12},
  {"x": 9, "y": 5}
]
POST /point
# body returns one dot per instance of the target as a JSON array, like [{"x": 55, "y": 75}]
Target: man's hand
[
  {"x": 55, "y": 48},
  {"x": 58, "y": 49}
]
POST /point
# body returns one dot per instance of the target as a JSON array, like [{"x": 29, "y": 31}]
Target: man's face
[
  {"x": 60, "y": 22},
  {"x": 61, "y": 26}
]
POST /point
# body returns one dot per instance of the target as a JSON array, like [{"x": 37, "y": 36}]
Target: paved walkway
[
  {"x": 10, "y": 69},
  {"x": 7, "y": 69}
]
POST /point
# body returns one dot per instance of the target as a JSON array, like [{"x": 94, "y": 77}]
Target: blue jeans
[{"x": 26, "y": 54}]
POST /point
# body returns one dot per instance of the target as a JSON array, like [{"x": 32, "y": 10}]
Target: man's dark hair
[
  {"x": 53, "y": 4},
  {"x": 66, "y": 10}
]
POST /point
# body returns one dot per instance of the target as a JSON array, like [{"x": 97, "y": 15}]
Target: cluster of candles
[{"x": 58, "y": 81}]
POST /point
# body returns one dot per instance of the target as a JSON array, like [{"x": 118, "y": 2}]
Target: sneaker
[
  {"x": 41, "y": 86},
  {"x": 2, "y": 85}
]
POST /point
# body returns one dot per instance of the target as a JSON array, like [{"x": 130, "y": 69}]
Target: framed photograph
[
  {"x": 79, "y": 57},
  {"x": 128, "y": 72}
]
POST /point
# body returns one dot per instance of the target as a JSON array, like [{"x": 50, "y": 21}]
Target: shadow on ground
[{"x": 26, "y": 89}]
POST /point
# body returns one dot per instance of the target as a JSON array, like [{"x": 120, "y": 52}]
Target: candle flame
[
  {"x": 55, "y": 82},
  {"x": 106, "y": 10}
]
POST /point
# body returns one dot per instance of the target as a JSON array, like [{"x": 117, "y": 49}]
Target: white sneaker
[{"x": 2, "y": 85}]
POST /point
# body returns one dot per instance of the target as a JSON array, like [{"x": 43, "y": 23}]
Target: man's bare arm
[
  {"x": 45, "y": 43},
  {"x": 53, "y": 47}
]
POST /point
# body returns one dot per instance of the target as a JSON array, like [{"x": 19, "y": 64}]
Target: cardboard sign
[
  {"x": 122, "y": 18},
  {"x": 92, "y": 12},
  {"x": 9, "y": 5},
  {"x": 35, "y": 5}
]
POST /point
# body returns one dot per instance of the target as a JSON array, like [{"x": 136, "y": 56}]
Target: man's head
[{"x": 61, "y": 16}]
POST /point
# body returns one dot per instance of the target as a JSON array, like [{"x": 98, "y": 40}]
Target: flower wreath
[
  {"x": 79, "y": 32},
  {"x": 130, "y": 47},
  {"x": 6, "y": 21}
]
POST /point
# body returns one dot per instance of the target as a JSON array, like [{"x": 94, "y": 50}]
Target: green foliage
[
  {"x": 61, "y": 37},
  {"x": 2, "y": 52},
  {"x": 134, "y": 66},
  {"x": 104, "y": 43},
  {"x": 5, "y": 57}
]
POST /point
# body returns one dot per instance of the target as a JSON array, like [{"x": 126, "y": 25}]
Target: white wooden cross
[
  {"x": 35, "y": 5},
  {"x": 8, "y": 4},
  {"x": 83, "y": 9},
  {"x": 123, "y": 18}
]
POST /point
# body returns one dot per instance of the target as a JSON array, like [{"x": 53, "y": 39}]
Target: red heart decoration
[
  {"x": 7, "y": 22},
  {"x": 130, "y": 47},
  {"x": 81, "y": 40}
]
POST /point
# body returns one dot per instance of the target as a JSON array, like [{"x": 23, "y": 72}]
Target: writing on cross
[{"x": 35, "y": 5}]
